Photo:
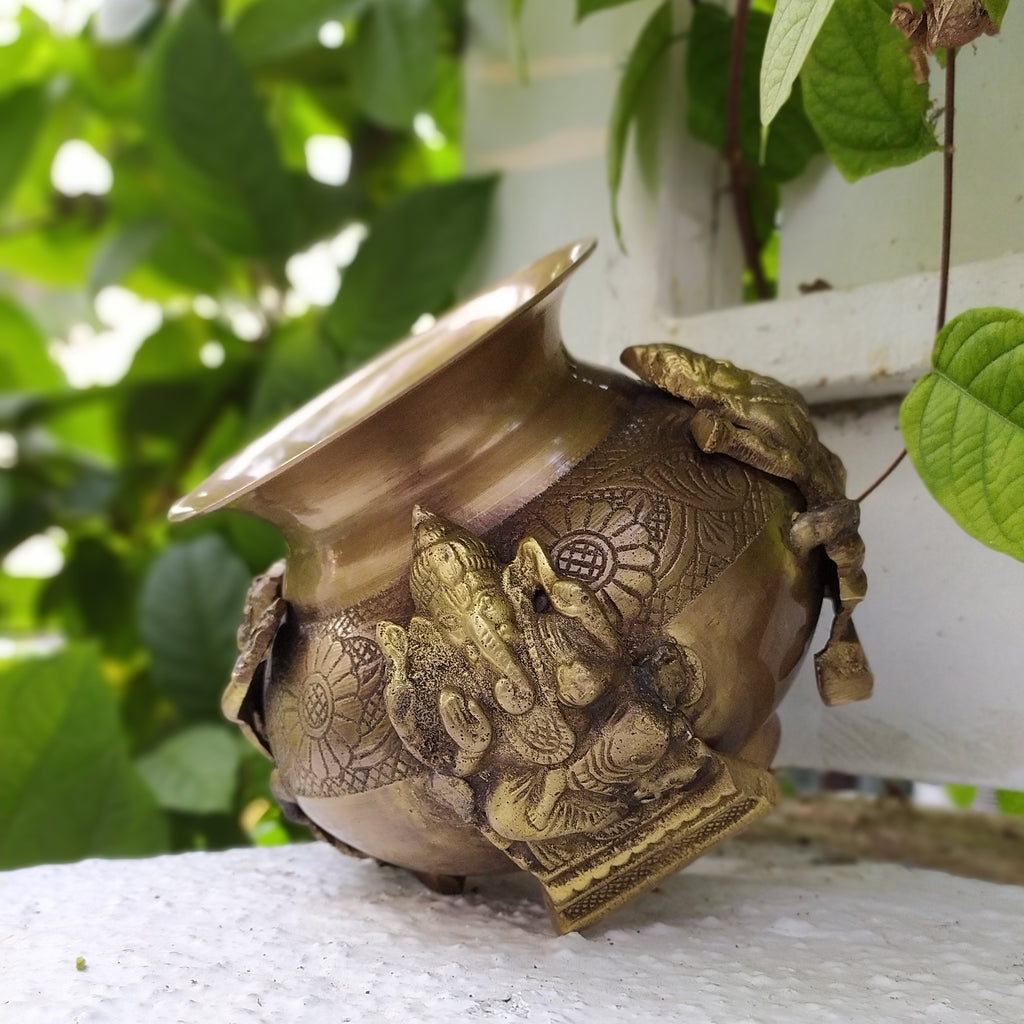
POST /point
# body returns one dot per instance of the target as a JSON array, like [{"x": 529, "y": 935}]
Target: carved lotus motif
[
  {"x": 608, "y": 548},
  {"x": 320, "y": 711}
]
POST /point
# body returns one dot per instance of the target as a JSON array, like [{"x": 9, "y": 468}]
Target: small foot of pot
[{"x": 446, "y": 885}]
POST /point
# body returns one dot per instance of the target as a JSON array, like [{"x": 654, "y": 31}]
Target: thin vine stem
[
  {"x": 739, "y": 173},
  {"x": 948, "y": 119},
  {"x": 947, "y": 188},
  {"x": 885, "y": 476}
]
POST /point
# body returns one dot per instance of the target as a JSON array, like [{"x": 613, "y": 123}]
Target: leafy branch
[
  {"x": 739, "y": 171},
  {"x": 963, "y": 422},
  {"x": 851, "y": 76}
]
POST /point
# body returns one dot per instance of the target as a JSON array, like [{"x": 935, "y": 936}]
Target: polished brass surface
[
  {"x": 536, "y": 615},
  {"x": 765, "y": 424}
]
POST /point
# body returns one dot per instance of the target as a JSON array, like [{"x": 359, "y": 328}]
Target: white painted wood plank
[
  {"x": 943, "y": 627},
  {"x": 864, "y": 342}
]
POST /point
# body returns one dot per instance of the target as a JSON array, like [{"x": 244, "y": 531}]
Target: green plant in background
[{"x": 200, "y": 123}]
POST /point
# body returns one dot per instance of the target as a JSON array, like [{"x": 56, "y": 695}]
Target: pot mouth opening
[{"x": 381, "y": 381}]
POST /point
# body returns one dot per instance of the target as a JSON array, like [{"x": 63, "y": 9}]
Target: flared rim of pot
[{"x": 380, "y": 382}]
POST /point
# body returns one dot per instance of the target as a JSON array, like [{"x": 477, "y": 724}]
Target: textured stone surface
[{"x": 302, "y": 934}]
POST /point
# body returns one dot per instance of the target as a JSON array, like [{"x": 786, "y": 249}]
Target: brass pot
[{"x": 536, "y": 614}]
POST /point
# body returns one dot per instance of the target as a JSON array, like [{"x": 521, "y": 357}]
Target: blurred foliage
[{"x": 204, "y": 111}]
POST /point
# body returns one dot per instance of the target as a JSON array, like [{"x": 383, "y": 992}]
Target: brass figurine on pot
[{"x": 536, "y": 614}]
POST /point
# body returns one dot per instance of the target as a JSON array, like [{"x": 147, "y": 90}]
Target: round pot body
[{"x": 486, "y": 423}]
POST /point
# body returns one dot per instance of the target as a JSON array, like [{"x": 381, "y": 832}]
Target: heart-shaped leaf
[
  {"x": 860, "y": 94},
  {"x": 964, "y": 426}
]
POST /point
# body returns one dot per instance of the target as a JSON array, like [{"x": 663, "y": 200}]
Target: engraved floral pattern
[
  {"x": 321, "y": 715},
  {"x": 606, "y": 546}
]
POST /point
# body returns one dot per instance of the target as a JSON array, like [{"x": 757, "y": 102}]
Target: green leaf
[
  {"x": 25, "y": 363},
  {"x": 1010, "y": 801},
  {"x": 187, "y": 261},
  {"x": 174, "y": 352},
  {"x": 961, "y": 795},
  {"x": 194, "y": 771},
  {"x": 393, "y": 62},
  {"x": 189, "y": 611},
  {"x": 587, "y": 7},
  {"x": 21, "y": 115},
  {"x": 24, "y": 510},
  {"x": 19, "y": 596},
  {"x": 299, "y": 364},
  {"x": 169, "y": 400},
  {"x": 654, "y": 40},
  {"x": 123, "y": 252},
  {"x": 792, "y": 142},
  {"x": 322, "y": 210},
  {"x": 793, "y": 29},
  {"x": 69, "y": 788},
  {"x": 997, "y": 10},
  {"x": 708, "y": 55},
  {"x": 417, "y": 250},
  {"x": 276, "y": 29},
  {"x": 964, "y": 426},
  {"x": 58, "y": 253},
  {"x": 212, "y": 142},
  {"x": 860, "y": 93},
  {"x": 87, "y": 609},
  {"x": 50, "y": 485},
  {"x": 32, "y": 56}
]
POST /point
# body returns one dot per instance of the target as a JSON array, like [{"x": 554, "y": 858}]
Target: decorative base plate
[{"x": 607, "y": 870}]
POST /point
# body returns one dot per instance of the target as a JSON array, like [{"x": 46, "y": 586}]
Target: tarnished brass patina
[{"x": 536, "y": 615}]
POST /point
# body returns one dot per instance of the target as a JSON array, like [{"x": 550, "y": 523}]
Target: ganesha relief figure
[
  {"x": 579, "y": 761},
  {"x": 536, "y": 615}
]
